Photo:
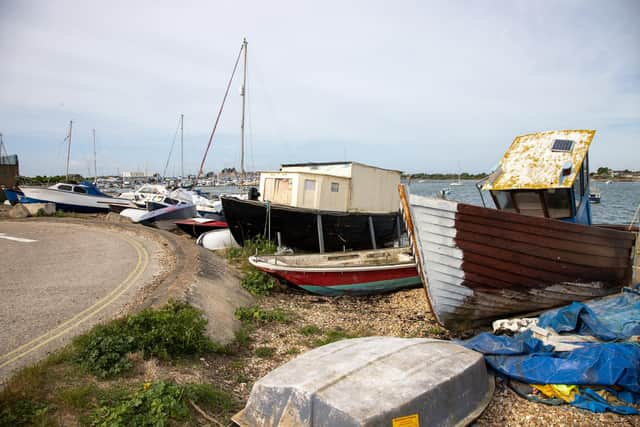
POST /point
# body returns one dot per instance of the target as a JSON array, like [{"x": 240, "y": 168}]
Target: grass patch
[
  {"x": 255, "y": 314},
  {"x": 174, "y": 330},
  {"x": 265, "y": 352},
  {"x": 310, "y": 330},
  {"x": 79, "y": 398},
  {"x": 332, "y": 335},
  {"x": 293, "y": 350}
]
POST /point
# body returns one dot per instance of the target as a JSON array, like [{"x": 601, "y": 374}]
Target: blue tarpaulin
[
  {"x": 610, "y": 318},
  {"x": 610, "y": 364}
]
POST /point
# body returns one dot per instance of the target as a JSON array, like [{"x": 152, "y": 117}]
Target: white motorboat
[{"x": 83, "y": 197}]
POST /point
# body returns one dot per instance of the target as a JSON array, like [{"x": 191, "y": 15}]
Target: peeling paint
[{"x": 529, "y": 162}]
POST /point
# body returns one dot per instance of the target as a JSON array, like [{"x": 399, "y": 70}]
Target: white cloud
[{"x": 413, "y": 86}]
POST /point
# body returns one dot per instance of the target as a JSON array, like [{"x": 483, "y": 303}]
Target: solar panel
[{"x": 564, "y": 145}]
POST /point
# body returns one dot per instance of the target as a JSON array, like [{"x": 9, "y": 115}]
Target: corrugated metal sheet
[
  {"x": 529, "y": 163},
  {"x": 480, "y": 264}
]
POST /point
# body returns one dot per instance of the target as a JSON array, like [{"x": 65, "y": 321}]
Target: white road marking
[{"x": 16, "y": 239}]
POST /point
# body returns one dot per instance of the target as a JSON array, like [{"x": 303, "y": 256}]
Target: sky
[{"x": 418, "y": 86}]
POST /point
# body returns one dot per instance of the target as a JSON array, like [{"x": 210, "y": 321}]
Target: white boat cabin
[
  {"x": 337, "y": 186},
  {"x": 545, "y": 174}
]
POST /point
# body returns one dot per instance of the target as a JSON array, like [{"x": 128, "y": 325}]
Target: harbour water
[{"x": 618, "y": 204}]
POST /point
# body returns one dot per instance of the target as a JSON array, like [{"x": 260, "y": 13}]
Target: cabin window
[
  {"x": 503, "y": 200},
  {"x": 79, "y": 190},
  {"x": 335, "y": 187},
  {"x": 64, "y": 187},
  {"x": 309, "y": 185},
  {"x": 529, "y": 203},
  {"x": 578, "y": 188},
  {"x": 558, "y": 202}
]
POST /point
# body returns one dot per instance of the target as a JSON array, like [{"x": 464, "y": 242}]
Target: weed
[
  {"x": 60, "y": 214},
  {"x": 24, "y": 413},
  {"x": 256, "y": 314},
  {"x": 243, "y": 336},
  {"x": 41, "y": 212},
  {"x": 265, "y": 352},
  {"x": 175, "y": 330},
  {"x": 211, "y": 398},
  {"x": 293, "y": 350},
  {"x": 310, "y": 330},
  {"x": 152, "y": 405},
  {"x": 79, "y": 397},
  {"x": 257, "y": 282},
  {"x": 103, "y": 350},
  {"x": 160, "y": 403},
  {"x": 332, "y": 336},
  {"x": 434, "y": 330}
]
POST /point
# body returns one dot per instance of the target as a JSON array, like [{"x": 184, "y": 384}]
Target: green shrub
[
  {"x": 154, "y": 405},
  {"x": 265, "y": 352},
  {"x": 103, "y": 350},
  {"x": 174, "y": 330},
  {"x": 332, "y": 336},
  {"x": 24, "y": 413},
  {"x": 256, "y": 314},
  {"x": 257, "y": 282},
  {"x": 160, "y": 404},
  {"x": 310, "y": 330}
]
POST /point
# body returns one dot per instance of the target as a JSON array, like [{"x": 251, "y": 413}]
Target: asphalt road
[{"x": 58, "y": 279}]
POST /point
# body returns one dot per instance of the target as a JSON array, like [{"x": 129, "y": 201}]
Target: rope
[
  {"x": 175, "y": 136},
  {"x": 213, "y": 131}
]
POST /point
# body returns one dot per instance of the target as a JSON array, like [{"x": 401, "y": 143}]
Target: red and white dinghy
[{"x": 342, "y": 273}]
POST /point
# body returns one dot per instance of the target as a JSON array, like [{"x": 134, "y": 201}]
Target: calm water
[
  {"x": 618, "y": 204},
  {"x": 619, "y": 199}
]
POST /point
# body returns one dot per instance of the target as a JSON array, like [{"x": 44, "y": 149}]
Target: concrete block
[
  {"x": 34, "y": 208},
  {"x": 18, "y": 211}
]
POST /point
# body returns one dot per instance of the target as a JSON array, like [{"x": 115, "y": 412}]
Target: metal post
[
  {"x": 320, "y": 233},
  {"x": 182, "y": 146},
  {"x": 398, "y": 228},
  {"x": 95, "y": 165},
  {"x": 69, "y": 147},
  {"x": 372, "y": 231},
  {"x": 243, "y": 94}
]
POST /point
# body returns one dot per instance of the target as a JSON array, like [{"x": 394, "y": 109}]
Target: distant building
[{"x": 133, "y": 174}]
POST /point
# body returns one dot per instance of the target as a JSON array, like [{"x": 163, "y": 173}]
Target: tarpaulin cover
[
  {"x": 610, "y": 318},
  {"x": 526, "y": 359}
]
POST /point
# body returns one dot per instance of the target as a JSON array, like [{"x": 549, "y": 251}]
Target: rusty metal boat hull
[{"x": 479, "y": 264}]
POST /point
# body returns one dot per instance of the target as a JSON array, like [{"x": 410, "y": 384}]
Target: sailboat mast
[
  {"x": 243, "y": 95},
  {"x": 182, "y": 146},
  {"x": 69, "y": 146},
  {"x": 95, "y": 165}
]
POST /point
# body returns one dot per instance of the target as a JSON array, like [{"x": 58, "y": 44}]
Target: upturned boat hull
[
  {"x": 197, "y": 226},
  {"x": 480, "y": 264},
  {"x": 299, "y": 228},
  {"x": 344, "y": 273}
]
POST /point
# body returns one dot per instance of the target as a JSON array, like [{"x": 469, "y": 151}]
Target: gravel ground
[{"x": 403, "y": 314}]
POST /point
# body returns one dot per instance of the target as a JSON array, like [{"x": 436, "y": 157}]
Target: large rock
[
  {"x": 19, "y": 211},
  {"x": 36, "y": 209}
]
